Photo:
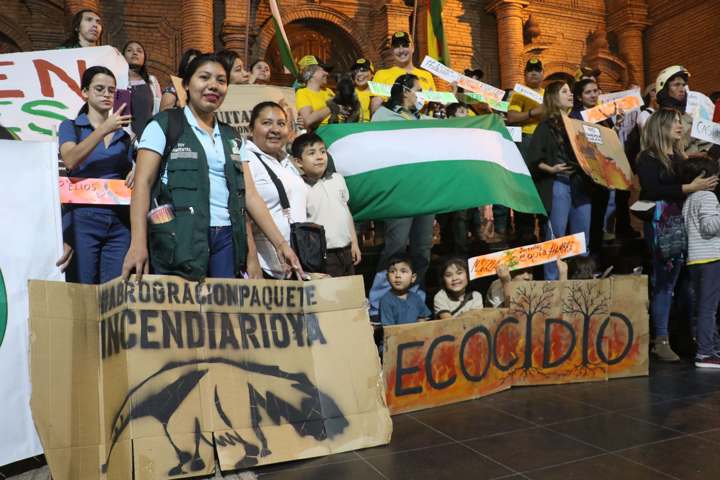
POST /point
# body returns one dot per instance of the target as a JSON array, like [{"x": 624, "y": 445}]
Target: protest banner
[
  {"x": 38, "y": 90},
  {"x": 32, "y": 242},
  {"x": 552, "y": 333},
  {"x": 605, "y": 110},
  {"x": 600, "y": 153},
  {"x": 379, "y": 89},
  {"x": 528, "y": 92},
  {"x": 615, "y": 96},
  {"x": 445, "y": 98},
  {"x": 154, "y": 379},
  {"x": 96, "y": 191},
  {"x": 701, "y": 109},
  {"x": 527, "y": 255},
  {"x": 451, "y": 76},
  {"x": 470, "y": 97},
  {"x": 240, "y": 100}
]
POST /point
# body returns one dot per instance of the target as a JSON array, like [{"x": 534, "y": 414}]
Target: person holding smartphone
[{"x": 94, "y": 145}]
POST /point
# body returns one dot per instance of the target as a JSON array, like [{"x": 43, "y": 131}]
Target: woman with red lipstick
[
  {"x": 94, "y": 145},
  {"x": 189, "y": 169}
]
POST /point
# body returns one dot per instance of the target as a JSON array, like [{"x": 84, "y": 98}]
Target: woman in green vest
[{"x": 192, "y": 190}]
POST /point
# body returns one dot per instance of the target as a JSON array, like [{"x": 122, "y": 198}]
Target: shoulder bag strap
[{"x": 284, "y": 202}]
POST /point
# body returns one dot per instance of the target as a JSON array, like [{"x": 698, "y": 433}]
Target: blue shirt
[
  {"x": 113, "y": 161},
  {"x": 153, "y": 139},
  {"x": 396, "y": 311}
]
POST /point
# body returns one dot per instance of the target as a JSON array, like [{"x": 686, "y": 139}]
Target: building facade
[{"x": 630, "y": 41}]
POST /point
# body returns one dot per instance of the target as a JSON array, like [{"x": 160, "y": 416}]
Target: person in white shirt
[
  {"x": 327, "y": 204},
  {"x": 266, "y": 153}
]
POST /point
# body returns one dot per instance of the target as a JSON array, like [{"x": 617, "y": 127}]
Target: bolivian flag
[
  {"x": 283, "y": 45},
  {"x": 437, "y": 42},
  {"x": 407, "y": 168}
]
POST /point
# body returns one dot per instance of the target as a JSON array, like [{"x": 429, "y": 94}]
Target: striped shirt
[{"x": 702, "y": 224}]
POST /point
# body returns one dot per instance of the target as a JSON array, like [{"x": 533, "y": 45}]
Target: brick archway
[
  {"x": 315, "y": 12},
  {"x": 14, "y": 34}
]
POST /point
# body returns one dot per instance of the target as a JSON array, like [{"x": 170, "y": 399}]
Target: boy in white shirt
[{"x": 327, "y": 204}]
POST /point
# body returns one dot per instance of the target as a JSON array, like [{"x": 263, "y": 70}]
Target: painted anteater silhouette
[{"x": 311, "y": 412}]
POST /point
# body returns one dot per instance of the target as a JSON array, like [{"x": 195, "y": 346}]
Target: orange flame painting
[{"x": 552, "y": 333}]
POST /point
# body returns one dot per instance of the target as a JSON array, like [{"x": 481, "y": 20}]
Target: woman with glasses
[{"x": 94, "y": 145}]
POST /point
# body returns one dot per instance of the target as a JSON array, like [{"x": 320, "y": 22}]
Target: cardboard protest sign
[
  {"x": 180, "y": 91},
  {"x": 96, "y": 191},
  {"x": 527, "y": 255},
  {"x": 153, "y": 380},
  {"x": 528, "y": 92},
  {"x": 628, "y": 103},
  {"x": 32, "y": 242},
  {"x": 38, "y": 90},
  {"x": 600, "y": 153},
  {"x": 451, "y": 76},
  {"x": 240, "y": 100},
  {"x": 701, "y": 108},
  {"x": 552, "y": 332},
  {"x": 615, "y": 96}
]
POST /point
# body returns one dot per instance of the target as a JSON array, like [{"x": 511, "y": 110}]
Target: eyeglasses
[{"x": 99, "y": 89}]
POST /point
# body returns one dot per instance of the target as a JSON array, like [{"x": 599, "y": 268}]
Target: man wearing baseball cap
[
  {"x": 402, "y": 50},
  {"x": 672, "y": 88},
  {"x": 526, "y": 113},
  {"x": 361, "y": 73},
  {"x": 314, "y": 101}
]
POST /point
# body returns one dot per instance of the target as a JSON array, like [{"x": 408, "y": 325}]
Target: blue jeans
[
  {"x": 222, "y": 253},
  {"x": 415, "y": 231},
  {"x": 101, "y": 239},
  {"x": 706, "y": 279},
  {"x": 663, "y": 279},
  {"x": 566, "y": 219}
]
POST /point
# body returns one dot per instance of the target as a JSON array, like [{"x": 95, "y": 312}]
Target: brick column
[
  {"x": 510, "y": 39},
  {"x": 234, "y": 26},
  {"x": 197, "y": 25},
  {"x": 627, "y": 20}
]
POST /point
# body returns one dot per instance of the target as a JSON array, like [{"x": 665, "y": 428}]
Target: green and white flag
[
  {"x": 408, "y": 168},
  {"x": 283, "y": 45}
]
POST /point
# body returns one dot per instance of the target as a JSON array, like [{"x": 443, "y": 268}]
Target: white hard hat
[{"x": 668, "y": 73}]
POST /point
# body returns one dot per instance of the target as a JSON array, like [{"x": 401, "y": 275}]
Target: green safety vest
[{"x": 181, "y": 246}]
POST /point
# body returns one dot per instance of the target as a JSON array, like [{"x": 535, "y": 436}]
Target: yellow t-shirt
[
  {"x": 364, "y": 98},
  {"x": 305, "y": 97},
  {"x": 389, "y": 75},
  {"x": 521, "y": 103}
]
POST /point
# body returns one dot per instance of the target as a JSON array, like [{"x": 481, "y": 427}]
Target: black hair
[
  {"x": 303, "y": 141},
  {"x": 258, "y": 109},
  {"x": 74, "y": 38},
  {"x": 187, "y": 56},
  {"x": 581, "y": 268},
  {"x": 578, "y": 89},
  {"x": 714, "y": 96},
  {"x": 142, "y": 71},
  {"x": 255, "y": 62},
  {"x": 694, "y": 167},
  {"x": 198, "y": 62},
  {"x": 451, "y": 110},
  {"x": 458, "y": 262},
  {"x": 87, "y": 79},
  {"x": 228, "y": 58},
  {"x": 397, "y": 92},
  {"x": 401, "y": 258}
]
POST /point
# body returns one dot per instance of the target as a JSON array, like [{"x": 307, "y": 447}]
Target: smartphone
[{"x": 122, "y": 96}]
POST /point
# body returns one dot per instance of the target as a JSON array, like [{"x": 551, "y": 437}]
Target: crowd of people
[{"x": 208, "y": 204}]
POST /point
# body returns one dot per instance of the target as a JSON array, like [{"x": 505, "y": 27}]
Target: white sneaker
[{"x": 710, "y": 361}]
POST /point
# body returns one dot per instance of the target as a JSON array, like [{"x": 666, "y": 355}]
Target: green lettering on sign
[{"x": 3, "y": 308}]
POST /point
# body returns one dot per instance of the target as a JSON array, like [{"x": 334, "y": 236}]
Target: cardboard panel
[
  {"x": 552, "y": 333},
  {"x": 257, "y": 372}
]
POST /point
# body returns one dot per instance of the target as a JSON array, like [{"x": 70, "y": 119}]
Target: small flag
[
  {"x": 286, "y": 56},
  {"x": 437, "y": 42}
]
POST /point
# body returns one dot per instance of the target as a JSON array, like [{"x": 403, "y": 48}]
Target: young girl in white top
[
  {"x": 266, "y": 152},
  {"x": 455, "y": 298}
]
